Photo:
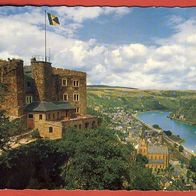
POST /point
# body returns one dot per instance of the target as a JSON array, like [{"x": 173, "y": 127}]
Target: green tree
[
  {"x": 156, "y": 126},
  {"x": 36, "y": 166},
  {"x": 7, "y": 129},
  {"x": 168, "y": 133},
  {"x": 181, "y": 148},
  {"x": 192, "y": 164},
  {"x": 86, "y": 159},
  {"x": 142, "y": 179},
  {"x": 142, "y": 160},
  {"x": 99, "y": 160}
]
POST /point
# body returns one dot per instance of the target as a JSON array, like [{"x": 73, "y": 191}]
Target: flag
[{"x": 53, "y": 20}]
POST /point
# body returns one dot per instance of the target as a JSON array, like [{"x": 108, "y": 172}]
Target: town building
[
  {"x": 157, "y": 155},
  {"x": 47, "y": 98}
]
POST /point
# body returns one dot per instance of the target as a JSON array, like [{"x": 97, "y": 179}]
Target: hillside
[{"x": 182, "y": 104}]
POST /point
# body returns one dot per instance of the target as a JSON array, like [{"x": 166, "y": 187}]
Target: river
[{"x": 186, "y": 131}]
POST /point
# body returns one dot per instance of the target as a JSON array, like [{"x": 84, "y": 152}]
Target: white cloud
[
  {"x": 169, "y": 65},
  {"x": 80, "y": 14}
]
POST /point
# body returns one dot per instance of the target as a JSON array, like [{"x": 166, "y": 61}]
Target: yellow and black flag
[{"x": 53, "y": 20}]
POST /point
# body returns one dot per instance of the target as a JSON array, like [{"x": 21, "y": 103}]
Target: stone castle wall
[
  {"x": 47, "y": 83},
  {"x": 11, "y": 74},
  {"x": 46, "y": 88},
  {"x": 71, "y": 75}
]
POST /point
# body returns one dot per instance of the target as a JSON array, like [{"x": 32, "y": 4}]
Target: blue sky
[{"x": 137, "y": 47}]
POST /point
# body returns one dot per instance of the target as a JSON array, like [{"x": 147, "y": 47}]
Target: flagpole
[{"x": 45, "y": 39}]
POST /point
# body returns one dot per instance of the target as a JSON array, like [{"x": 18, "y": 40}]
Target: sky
[{"x": 146, "y": 48}]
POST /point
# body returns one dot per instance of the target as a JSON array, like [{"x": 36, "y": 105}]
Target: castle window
[
  {"x": 30, "y": 116},
  {"x": 53, "y": 115},
  {"x": 28, "y": 84},
  {"x": 80, "y": 126},
  {"x": 29, "y": 99},
  {"x": 77, "y": 110},
  {"x": 76, "y": 83},
  {"x": 50, "y": 129},
  {"x": 40, "y": 117},
  {"x": 65, "y": 97},
  {"x": 76, "y": 97},
  {"x": 64, "y": 82}
]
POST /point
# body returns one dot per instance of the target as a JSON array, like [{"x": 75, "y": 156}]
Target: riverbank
[
  {"x": 181, "y": 120},
  {"x": 170, "y": 116},
  {"x": 185, "y": 131}
]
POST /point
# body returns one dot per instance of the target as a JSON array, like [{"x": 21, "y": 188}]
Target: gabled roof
[{"x": 44, "y": 106}]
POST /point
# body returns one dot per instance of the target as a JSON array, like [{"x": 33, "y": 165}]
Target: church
[{"x": 157, "y": 155}]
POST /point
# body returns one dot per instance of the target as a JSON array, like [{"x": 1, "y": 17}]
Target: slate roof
[
  {"x": 156, "y": 161},
  {"x": 44, "y": 106},
  {"x": 157, "y": 149}
]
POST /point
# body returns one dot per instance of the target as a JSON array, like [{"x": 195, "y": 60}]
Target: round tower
[{"x": 42, "y": 74}]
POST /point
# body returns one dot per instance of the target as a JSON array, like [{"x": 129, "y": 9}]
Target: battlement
[
  {"x": 10, "y": 64},
  {"x": 69, "y": 72}
]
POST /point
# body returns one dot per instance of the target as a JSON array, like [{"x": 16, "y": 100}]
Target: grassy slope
[{"x": 179, "y": 102}]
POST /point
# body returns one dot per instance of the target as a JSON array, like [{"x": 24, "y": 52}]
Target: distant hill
[
  {"x": 107, "y": 86},
  {"x": 181, "y": 103}
]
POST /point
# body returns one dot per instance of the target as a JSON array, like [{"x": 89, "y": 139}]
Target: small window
[
  {"x": 50, "y": 129},
  {"x": 80, "y": 126},
  {"x": 40, "y": 117},
  {"x": 77, "y": 110},
  {"x": 29, "y": 99},
  {"x": 76, "y": 83},
  {"x": 30, "y": 116},
  {"x": 64, "y": 82},
  {"x": 28, "y": 84},
  {"x": 75, "y": 126},
  {"x": 76, "y": 97},
  {"x": 49, "y": 116},
  {"x": 54, "y": 115},
  {"x": 65, "y": 97}
]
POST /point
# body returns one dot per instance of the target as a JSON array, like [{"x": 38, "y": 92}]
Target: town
[{"x": 142, "y": 135}]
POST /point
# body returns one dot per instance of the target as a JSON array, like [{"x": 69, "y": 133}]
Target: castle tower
[
  {"x": 46, "y": 90},
  {"x": 12, "y": 76},
  {"x": 143, "y": 147}
]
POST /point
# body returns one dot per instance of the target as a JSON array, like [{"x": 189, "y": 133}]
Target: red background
[
  {"x": 168, "y": 3},
  {"x": 92, "y": 193},
  {"x": 141, "y": 3}
]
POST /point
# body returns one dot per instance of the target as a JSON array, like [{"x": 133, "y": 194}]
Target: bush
[
  {"x": 168, "y": 133},
  {"x": 35, "y": 134},
  {"x": 156, "y": 126},
  {"x": 181, "y": 148},
  {"x": 192, "y": 164}
]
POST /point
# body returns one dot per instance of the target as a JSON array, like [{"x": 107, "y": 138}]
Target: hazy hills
[{"x": 181, "y": 103}]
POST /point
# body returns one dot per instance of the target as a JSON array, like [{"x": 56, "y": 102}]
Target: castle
[
  {"x": 48, "y": 99},
  {"x": 157, "y": 155}
]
